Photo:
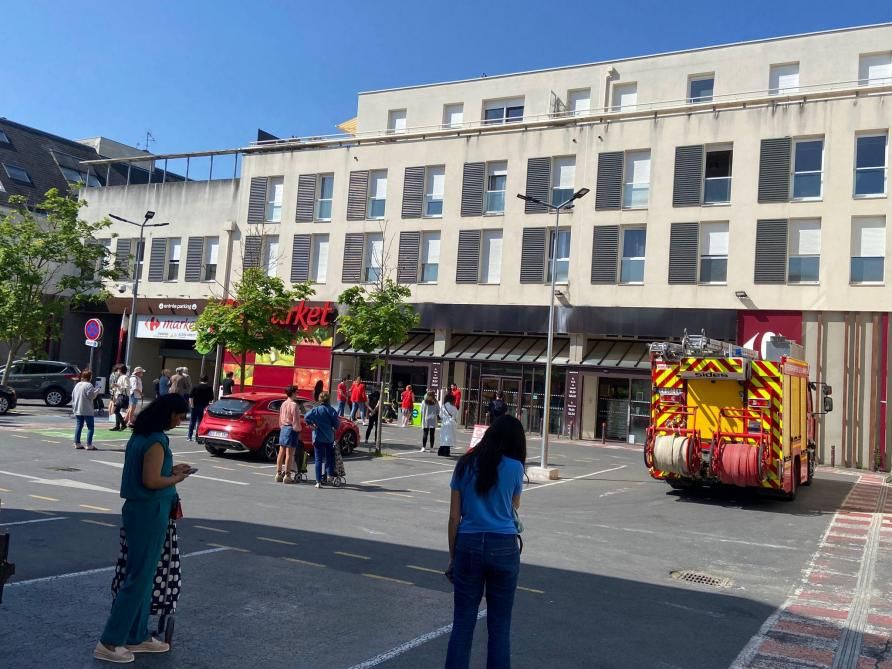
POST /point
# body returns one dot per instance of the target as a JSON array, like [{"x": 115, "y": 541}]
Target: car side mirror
[{"x": 828, "y": 404}]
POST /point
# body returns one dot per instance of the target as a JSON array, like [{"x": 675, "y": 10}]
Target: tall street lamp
[
  {"x": 137, "y": 270},
  {"x": 543, "y": 472}
]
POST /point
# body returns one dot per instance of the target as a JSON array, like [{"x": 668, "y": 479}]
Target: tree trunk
[
  {"x": 380, "y": 429},
  {"x": 242, "y": 363},
  {"x": 9, "y": 357}
]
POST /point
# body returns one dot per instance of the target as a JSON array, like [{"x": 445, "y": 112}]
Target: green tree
[
  {"x": 378, "y": 318},
  {"x": 247, "y": 322},
  {"x": 49, "y": 261}
]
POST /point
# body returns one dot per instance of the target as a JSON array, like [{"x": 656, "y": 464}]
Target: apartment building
[{"x": 739, "y": 189}]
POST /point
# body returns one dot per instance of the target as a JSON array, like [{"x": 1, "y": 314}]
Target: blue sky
[{"x": 205, "y": 75}]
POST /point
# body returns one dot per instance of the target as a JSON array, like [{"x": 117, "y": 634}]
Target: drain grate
[
  {"x": 700, "y": 578},
  {"x": 63, "y": 469}
]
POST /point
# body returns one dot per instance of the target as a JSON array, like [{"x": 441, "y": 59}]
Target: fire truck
[{"x": 721, "y": 414}]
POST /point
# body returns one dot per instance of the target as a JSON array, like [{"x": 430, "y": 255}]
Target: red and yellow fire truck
[{"x": 721, "y": 414}]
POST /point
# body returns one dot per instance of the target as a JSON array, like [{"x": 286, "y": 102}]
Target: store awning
[
  {"x": 617, "y": 354},
  {"x": 493, "y": 348},
  {"x": 419, "y": 345}
]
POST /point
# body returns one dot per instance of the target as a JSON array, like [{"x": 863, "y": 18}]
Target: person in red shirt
[
  {"x": 342, "y": 395},
  {"x": 359, "y": 399},
  {"x": 456, "y": 393},
  {"x": 406, "y": 405}
]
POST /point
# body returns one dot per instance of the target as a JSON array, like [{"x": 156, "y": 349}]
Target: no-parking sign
[{"x": 93, "y": 329}]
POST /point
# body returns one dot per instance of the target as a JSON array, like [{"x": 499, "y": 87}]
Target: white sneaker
[
  {"x": 91, "y": 447},
  {"x": 151, "y": 645},
  {"x": 422, "y": 449},
  {"x": 120, "y": 655}
]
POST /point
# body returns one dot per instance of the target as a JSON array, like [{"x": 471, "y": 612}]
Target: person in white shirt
[
  {"x": 135, "y": 394},
  {"x": 121, "y": 398},
  {"x": 82, "y": 398}
]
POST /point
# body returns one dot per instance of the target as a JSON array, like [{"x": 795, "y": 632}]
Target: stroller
[{"x": 167, "y": 581}]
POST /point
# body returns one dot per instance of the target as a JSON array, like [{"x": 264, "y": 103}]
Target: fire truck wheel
[{"x": 790, "y": 496}]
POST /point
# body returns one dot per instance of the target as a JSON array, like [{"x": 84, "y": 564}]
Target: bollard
[
  {"x": 604, "y": 432},
  {"x": 833, "y": 455}
]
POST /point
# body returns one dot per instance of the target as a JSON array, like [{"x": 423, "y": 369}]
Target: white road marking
[
  {"x": 229, "y": 469},
  {"x": 120, "y": 465},
  {"x": 50, "y": 441},
  {"x": 187, "y": 452},
  {"x": 405, "y": 476},
  {"x": 45, "y": 499},
  {"x": 426, "y": 492},
  {"x": 277, "y": 541},
  {"x": 19, "y": 436},
  {"x": 93, "y": 508},
  {"x": 399, "y": 494},
  {"x": 97, "y": 522},
  {"x": 353, "y": 555},
  {"x": 575, "y": 478},
  {"x": 305, "y": 562},
  {"x": 388, "y": 578},
  {"x": 5, "y": 490},
  {"x": 63, "y": 483},
  {"x": 533, "y": 590},
  {"x": 35, "y": 520},
  {"x": 230, "y": 548},
  {"x": 210, "y": 529},
  {"x": 427, "y": 569}
]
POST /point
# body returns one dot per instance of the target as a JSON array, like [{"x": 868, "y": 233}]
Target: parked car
[
  {"x": 8, "y": 399},
  {"x": 48, "y": 380},
  {"x": 250, "y": 422}
]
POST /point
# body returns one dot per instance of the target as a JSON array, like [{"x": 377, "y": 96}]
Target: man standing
[
  {"x": 185, "y": 383},
  {"x": 164, "y": 383},
  {"x": 135, "y": 394},
  {"x": 358, "y": 398},
  {"x": 227, "y": 384},
  {"x": 342, "y": 395},
  {"x": 176, "y": 382},
  {"x": 201, "y": 396}
]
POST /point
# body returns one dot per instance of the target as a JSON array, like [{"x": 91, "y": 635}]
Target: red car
[{"x": 250, "y": 422}]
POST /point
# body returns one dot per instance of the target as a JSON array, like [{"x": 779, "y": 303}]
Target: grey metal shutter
[
  {"x": 532, "y": 256},
  {"x": 605, "y": 249},
  {"x": 771, "y": 251},
  {"x": 357, "y": 196},
  {"x": 351, "y": 269},
  {"x": 609, "y": 194},
  {"x": 688, "y": 176},
  {"x": 413, "y": 192},
  {"x": 122, "y": 257},
  {"x": 306, "y": 198},
  {"x": 407, "y": 264},
  {"x": 473, "y": 177},
  {"x": 257, "y": 200},
  {"x": 683, "y": 245},
  {"x": 774, "y": 170},
  {"x": 467, "y": 265},
  {"x": 538, "y": 184},
  {"x": 157, "y": 258},
  {"x": 252, "y": 251},
  {"x": 300, "y": 258},
  {"x": 194, "y": 256}
]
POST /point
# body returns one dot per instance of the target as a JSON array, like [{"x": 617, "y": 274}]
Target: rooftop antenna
[{"x": 149, "y": 138}]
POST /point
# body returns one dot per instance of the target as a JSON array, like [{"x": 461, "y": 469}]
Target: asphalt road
[{"x": 284, "y": 576}]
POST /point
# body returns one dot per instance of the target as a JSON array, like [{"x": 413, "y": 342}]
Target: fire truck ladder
[{"x": 699, "y": 345}]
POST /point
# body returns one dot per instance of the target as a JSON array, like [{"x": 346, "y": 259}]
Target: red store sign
[{"x": 305, "y": 317}]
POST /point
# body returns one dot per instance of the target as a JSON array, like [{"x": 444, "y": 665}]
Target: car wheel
[
  {"x": 54, "y": 397},
  {"x": 4, "y": 404},
  {"x": 348, "y": 442},
  {"x": 213, "y": 450},
  {"x": 269, "y": 450}
]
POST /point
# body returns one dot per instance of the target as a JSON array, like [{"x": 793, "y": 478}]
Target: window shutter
[
  {"x": 194, "y": 253},
  {"x": 683, "y": 240},
  {"x": 771, "y": 251},
  {"x": 413, "y": 192},
  {"x": 688, "y": 176},
  {"x": 123, "y": 252},
  {"x": 609, "y": 193},
  {"x": 252, "y": 250},
  {"x": 257, "y": 200},
  {"x": 407, "y": 264},
  {"x": 605, "y": 249},
  {"x": 532, "y": 256},
  {"x": 774, "y": 170},
  {"x": 472, "y": 189},
  {"x": 156, "y": 260},
  {"x": 538, "y": 184},
  {"x": 467, "y": 265},
  {"x": 357, "y": 197},
  {"x": 300, "y": 258},
  {"x": 351, "y": 270},
  {"x": 306, "y": 198}
]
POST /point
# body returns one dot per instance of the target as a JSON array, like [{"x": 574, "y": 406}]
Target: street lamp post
[
  {"x": 543, "y": 470},
  {"x": 137, "y": 270}
]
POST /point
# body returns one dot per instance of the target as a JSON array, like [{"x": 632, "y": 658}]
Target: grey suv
[{"x": 48, "y": 380}]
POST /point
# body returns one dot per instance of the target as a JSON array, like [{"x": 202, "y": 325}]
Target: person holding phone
[
  {"x": 148, "y": 486},
  {"x": 82, "y": 404}
]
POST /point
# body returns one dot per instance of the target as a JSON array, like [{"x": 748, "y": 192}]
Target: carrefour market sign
[{"x": 166, "y": 327}]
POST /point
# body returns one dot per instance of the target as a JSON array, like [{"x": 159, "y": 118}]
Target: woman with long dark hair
[
  {"x": 483, "y": 541},
  {"x": 148, "y": 486}
]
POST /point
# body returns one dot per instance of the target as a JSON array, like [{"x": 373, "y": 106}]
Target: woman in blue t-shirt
[{"x": 483, "y": 541}]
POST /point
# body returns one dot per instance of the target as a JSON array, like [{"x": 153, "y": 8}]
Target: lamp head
[
  {"x": 150, "y": 215},
  {"x": 581, "y": 193}
]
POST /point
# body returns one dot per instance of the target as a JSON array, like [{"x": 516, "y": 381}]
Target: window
[
  {"x": 396, "y": 120},
  {"x": 76, "y": 176},
  {"x": 579, "y": 102},
  {"x": 700, "y": 88},
  {"x": 870, "y": 165},
  {"x": 274, "y": 191},
  {"x": 783, "y": 79},
  {"x": 137, "y": 250},
  {"x": 491, "y": 257},
  {"x": 496, "y": 181},
  {"x": 173, "y": 260},
  {"x": 4, "y": 138},
  {"x": 804, "y": 251},
  {"x": 875, "y": 69},
  {"x": 211, "y": 252},
  {"x": 434, "y": 186},
  {"x": 270, "y": 254},
  {"x": 453, "y": 115},
  {"x": 502, "y": 111},
  {"x": 625, "y": 97},
  {"x": 636, "y": 186},
  {"x": 324, "y": 189},
  {"x": 373, "y": 257},
  {"x": 562, "y": 257},
  {"x": 808, "y": 165},
  {"x": 868, "y": 249},
  {"x": 632, "y": 265},
  {"x": 713, "y": 252},
  {"x": 319, "y": 259},
  {"x": 563, "y": 178},
  {"x": 377, "y": 193},
  {"x": 717, "y": 176},
  {"x": 19, "y": 174},
  {"x": 430, "y": 257}
]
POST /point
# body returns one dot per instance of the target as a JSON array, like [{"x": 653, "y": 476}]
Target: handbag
[{"x": 176, "y": 511}]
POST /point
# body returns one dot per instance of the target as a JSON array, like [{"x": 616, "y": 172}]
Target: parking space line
[
  {"x": 387, "y": 578},
  {"x": 533, "y": 590},
  {"x": 229, "y": 469},
  {"x": 5, "y": 490},
  {"x": 33, "y": 520},
  {"x": 210, "y": 529},
  {"x": 97, "y": 522},
  {"x": 426, "y": 492},
  {"x": 230, "y": 548},
  {"x": 45, "y": 499},
  {"x": 42, "y": 513},
  {"x": 50, "y": 441},
  {"x": 353, "y": 555},
  {"x": 575, "y": 478},
  {"x": 427, "y": 569},
  {"x": 93, "y": 508},
  {"x": 19, "y": 436},
  {"x": 406, "y": 476},
  {"x": 188, "y": 452},
  {"x": 277, "y": 541},
  {"x": 304, "y": 562},
  {"x": 399, "y": 494}
]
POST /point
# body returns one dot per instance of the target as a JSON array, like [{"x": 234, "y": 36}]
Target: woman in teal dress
[{"x": 148, "y": 488}]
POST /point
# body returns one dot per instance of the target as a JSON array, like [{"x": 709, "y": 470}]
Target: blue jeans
[
  {"x": 342, "y": 407},
  {"x": 195, "y": 420},
  {"x": 491, "y": 561},
  {"x": 358, "y": 407},
  {"x": 324, "y": 452},
  {"x": 81, "y": 421}
]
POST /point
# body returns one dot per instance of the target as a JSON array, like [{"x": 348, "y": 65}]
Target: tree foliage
[{"x": 49, "y": 261}]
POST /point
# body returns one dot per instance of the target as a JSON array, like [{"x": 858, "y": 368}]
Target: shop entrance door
[
  {"x": 613, "y": 408},
  {"x": 490, "y": 385}
]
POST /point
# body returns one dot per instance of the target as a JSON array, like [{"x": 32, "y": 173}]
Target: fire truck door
[{"x": 708, "y": 397}]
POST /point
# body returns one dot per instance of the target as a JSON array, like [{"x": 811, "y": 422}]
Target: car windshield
[{"x": 229, "y": 407}]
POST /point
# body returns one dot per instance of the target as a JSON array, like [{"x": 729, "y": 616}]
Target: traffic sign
[
  {"x": 92, "y": 343},
  {"x": 93, "y": 330}
]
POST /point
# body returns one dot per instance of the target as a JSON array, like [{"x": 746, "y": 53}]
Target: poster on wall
[
  {"x": 756, "y": 328},
  {"x": 181, "y": 328}
]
